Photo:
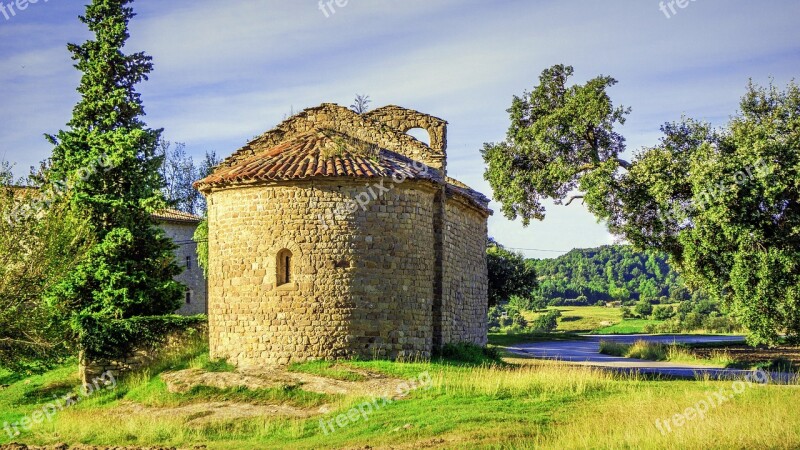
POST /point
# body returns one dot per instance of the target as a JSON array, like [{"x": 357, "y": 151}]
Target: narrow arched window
[{"x": 284, "y": 267}]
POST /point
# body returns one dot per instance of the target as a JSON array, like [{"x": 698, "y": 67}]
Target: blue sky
[{"x": 226, "y": 71}]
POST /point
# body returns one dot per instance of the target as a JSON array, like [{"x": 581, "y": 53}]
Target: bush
[
  {"x": 663, "y": 313},
  {"x": 668, "y": 327},
  {"x": 643, "y": 309},
  {"x": 692, "y": 321},
  {"x": 627, "y": 313},
  {"x": 502, "y": 320},
  {"x": 649, "y": 351},
  {"x": 539, "y": 303},
  {"x": 684, "y": 308},
  {"x": 40, "y": 241},
  {"x": 720, "y": 324},
  {"x": 518, "y": 304},
  {"x": 547, "y": 322},
  {"x": 614, "y": 348},
  {"x": 779, "y": 364}
]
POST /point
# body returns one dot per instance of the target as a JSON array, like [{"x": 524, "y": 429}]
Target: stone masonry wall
[
  {"x": 403, "y": 120},
  {"x": 141, "y": 358},
  {"x": 465, "y": 280},
  {"x": 362, "y": 282},
  {"x": 379, "y": 129}
]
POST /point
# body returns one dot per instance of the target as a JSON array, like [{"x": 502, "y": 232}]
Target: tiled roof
[
  {"x": 319, "y": 153},
  {"x": 173, "y": 215}
]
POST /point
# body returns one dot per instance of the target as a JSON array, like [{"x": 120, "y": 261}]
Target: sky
[{"x": 226, "y": 71}]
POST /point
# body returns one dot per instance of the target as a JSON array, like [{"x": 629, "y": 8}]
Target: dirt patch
[
  {"x": 750, "y": 356},
  {"x": 373, "y": 385}
]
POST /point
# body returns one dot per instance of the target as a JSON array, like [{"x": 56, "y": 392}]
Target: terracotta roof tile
[{"x": 320, "y": 153}]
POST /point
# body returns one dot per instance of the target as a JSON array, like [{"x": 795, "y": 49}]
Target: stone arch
[
  {"x": 403, "y": 120},
  {"x": 284, "y": 265},
  {"x": 421, "y": 135},
  {"x": 272, "y": 259}
]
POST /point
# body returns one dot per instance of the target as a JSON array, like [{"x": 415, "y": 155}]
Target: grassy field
[
  {"x": 666, "y": 352},
  {"x": 628, "y": 326},
  {"x": 518, "y": 404},
  {"x": 723, "y": 354},
  {"x": 582, "y": 319},
  {"x": 595, "y": 319}
]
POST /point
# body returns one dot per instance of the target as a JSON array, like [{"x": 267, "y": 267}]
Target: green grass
[
  {"x": 582, "y": 319},
  {"x": 7, "y": 377},
  {"x": 503, "y": 339},
  {"x": 595, "y": 320},
  {"x": 204, "y": 362},
  {"x": 526, "y": 405},
  {"x": 284, "y": 395},
  {"x": 518, "y": 404},
  {"x": 664, "y": 352},
  {"x": 628, "y": 326}
]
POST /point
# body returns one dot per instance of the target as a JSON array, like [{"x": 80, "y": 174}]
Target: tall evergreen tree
[{"x": 107, "y": 162}]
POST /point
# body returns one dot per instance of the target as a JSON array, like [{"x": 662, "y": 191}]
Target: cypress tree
[{"x": 105, "y": 162}]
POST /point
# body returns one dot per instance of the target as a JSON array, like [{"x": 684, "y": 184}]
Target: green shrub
[
  {"x": 720, "y": 324},
  {"x": 547, "y": 322},
  {"x": 627, "y": 313},
  {"x": 649, "y": 351},
  {"x": 518, "y": 304},
  {"x": 638, "y": 350},
  {"x": 502, "y": 319},
  {"x": 643, "y": 309},
  {"x": 663, "y": 312},
  {"x": 614, "y": 348}
]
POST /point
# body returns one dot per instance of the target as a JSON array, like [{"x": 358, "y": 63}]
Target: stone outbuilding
[
  {"x": 339, "y": 235},
  {"x": 180, "y": 227}
]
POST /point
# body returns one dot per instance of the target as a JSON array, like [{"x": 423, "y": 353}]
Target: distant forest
[{"x": 608, "y": 273}]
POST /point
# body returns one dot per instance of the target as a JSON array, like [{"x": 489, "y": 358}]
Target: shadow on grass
[{"x": 503, "y": 339}]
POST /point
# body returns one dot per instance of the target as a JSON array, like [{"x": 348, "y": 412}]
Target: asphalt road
[{"x": 587, "y": 352}]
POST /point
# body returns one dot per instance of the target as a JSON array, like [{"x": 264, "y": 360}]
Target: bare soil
[{"x": 374, "y": 384}]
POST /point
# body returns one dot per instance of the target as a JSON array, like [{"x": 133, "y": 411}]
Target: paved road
[{"x": 587, "y": 352}]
